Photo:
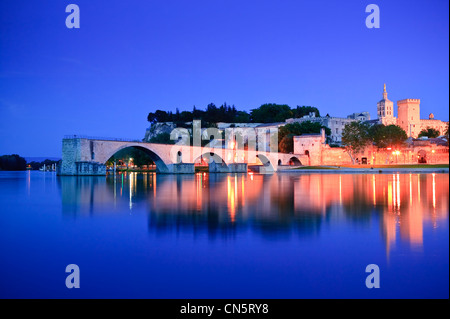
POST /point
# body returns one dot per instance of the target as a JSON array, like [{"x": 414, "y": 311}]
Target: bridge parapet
[{"x": 83, "y": 155}]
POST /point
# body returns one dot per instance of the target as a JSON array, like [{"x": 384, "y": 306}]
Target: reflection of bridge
[{"x": 88, "y": 156}]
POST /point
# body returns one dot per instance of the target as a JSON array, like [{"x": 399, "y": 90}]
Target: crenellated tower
[{"x": 409, "y": 116}]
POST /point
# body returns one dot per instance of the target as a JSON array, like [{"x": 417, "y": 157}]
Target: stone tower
[
  {"x": 409, "y": 116},
  {"x": 385, "y": 110}
]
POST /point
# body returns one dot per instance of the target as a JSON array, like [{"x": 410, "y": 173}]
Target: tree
[
  {"x": 151, "y": 117},
  {"x": 163, "y": 138},
  {"x": 301, "y": 111},
  {"x": 139, "y": 157},
  {"x": 447, "y": 134},
  {"x": 429, "y": 132},
  {"x": 12, "y": 163},
  {"x": 268, "y": 113},
  {"x": 355, "y": 137},
  {"x": 242, "y": 117},
  {"x": 388, "y": 136}
]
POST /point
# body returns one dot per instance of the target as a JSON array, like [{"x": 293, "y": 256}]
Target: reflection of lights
[
  {"x": 410, "y": 189},
  {"x": 373, "y": 187},
  {"x": 243, "y": 192},
  {"x": 154, "y": 184},
  {"x": 132, "y": 185},
  {"x": 199, "y": 191},
  {"x": 231, "y": 199},
  {"x": 418, "y": 186},
  {"x": 389, "y": 194},
  {"x": 434, "y": 190}
]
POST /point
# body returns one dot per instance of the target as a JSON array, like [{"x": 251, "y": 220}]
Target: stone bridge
[{"x": 88, "y": 156}]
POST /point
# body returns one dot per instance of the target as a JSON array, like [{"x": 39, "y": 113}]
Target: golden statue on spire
[{"x": 384, "y": 88}]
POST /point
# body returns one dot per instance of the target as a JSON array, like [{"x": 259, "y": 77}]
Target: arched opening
[
  {"x": 136, "y": 157},
  {"x": 204, "y": 161},
  {"x": 265, "y": 161},
  {"x": 294, "y": 161},
  {"x": 279, "y": 162},
  {"x": 422, "y": 157},
  {"x": 179, "y": 157},
  {"x": 307, "y": 153}
]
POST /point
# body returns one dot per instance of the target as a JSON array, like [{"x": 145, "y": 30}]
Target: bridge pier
[
  {"x": 80, "y": 168},
  {"x": 230, "y": 168},
  {"x": 183, "y": 168}
]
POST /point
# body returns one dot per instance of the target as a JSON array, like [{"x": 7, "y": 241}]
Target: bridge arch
[
  {"x": 266, "y": 162},
  {"x": 215, "y": 162},
  {"x": 160, "y": 164},
  {"x": 294, "y": 160}
]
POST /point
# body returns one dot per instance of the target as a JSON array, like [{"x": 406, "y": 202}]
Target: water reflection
[{"x": 273, "y": 205}]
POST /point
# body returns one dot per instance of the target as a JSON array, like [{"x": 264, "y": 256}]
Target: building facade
[
  {"x": 408, "y": 116},
  {"x": 335, "y": 124}
]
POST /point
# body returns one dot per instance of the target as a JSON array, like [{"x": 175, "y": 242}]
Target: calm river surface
[{"x": 224, "y": 235}]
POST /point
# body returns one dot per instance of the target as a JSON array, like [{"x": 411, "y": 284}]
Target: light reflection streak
[
  {"x": 374, "y": 193},
  {"x": 418, "y": 186},
  {"x": 434, "y": 190},
  {"x": 265, "y": 197},
  {"x": 410, "y": 189},
  {"x": 231, "y": 200}
]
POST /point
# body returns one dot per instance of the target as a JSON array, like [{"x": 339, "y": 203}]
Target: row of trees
[
  {"x": 12, "y": 163},
  {"x": 356, "y": 136},
  {"x": 266, "y": 113}
]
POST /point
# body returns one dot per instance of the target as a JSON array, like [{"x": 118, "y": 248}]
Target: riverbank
[{"x": 413, "y": 168}]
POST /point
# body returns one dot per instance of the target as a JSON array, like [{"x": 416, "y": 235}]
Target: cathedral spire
[{"x": 384, "y": 92}]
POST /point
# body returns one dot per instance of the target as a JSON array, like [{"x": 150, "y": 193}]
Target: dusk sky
[{"x": 130, "y": 58}]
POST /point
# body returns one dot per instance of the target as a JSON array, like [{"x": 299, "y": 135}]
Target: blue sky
[{"x": 133, "y": 57}]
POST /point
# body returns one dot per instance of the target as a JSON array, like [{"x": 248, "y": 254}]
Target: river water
[{"x": 143, "y": 235}]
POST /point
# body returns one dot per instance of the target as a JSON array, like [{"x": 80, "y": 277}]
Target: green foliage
[
  {"x": 388, "y": 136},
  {"x": 301, "y": 111},
  {"x": 268, "y": 113},
  {"x": 429, "y": 132},
  {"x": 12, "y": 163},
  {"x": 139, "y": 157},
  {"x": 355, "y": 137},
  {"x": 212, "y": 114},
  {"x": 163, "y": 138},
  {"x": 286, "y": 133}
]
